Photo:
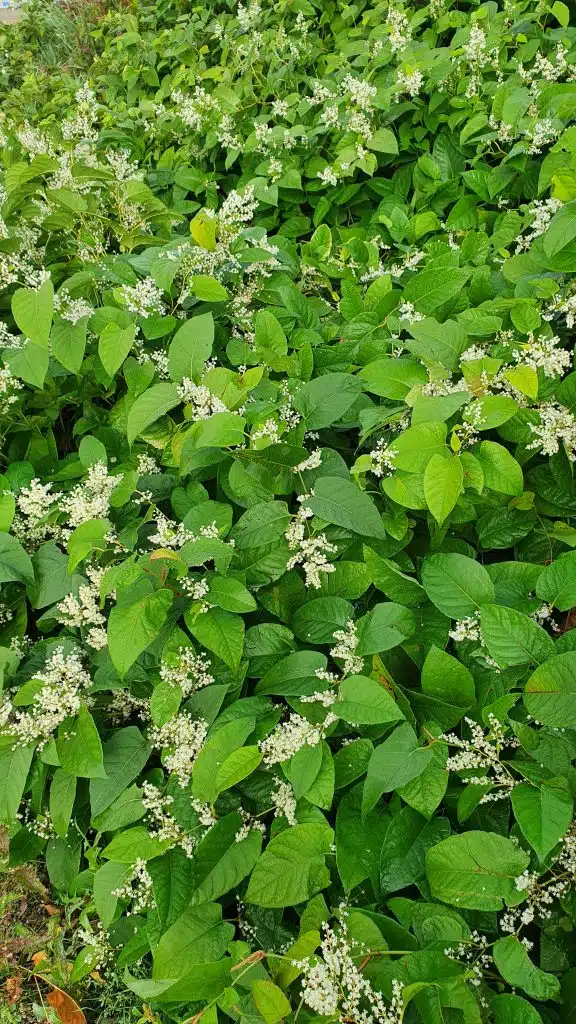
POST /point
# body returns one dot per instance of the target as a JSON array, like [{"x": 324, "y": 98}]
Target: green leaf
[
  {"x": 109, "y": 877},
  {"x": 316, "y": 621},
  {"x": 549, "y": 692},
  {"x": 417, "y": 445},
  {"x": 80, "y": 749},
  {"x": 386, "y": 626},
  {"x": 447, "y": 689},
  {"x": 517, "y": 969},
  {"x": 68, "y": 342},
  {"x": 128, "y": 846},
  {"x": 222, "y": 633},
  {"x": 294, "y": 675},
  {"x": 199, "y": 936},
  {"x": 114, "y": 345},
  {"x": 544, "y": 815},
  {"x": 561, "y": 12},
  {"x": 237, "y": 766},
  {"x": 230, "y": 594},
  {"x": 292, "y": 867},
  {"x": 62, "y": 796},
  {"x": 363, "y": 701},
  {"x": 32, "y": 309},
  {"x": 216, "y": 750},
  {"x": 457, "y": 585},
  {"x": 326, "y": 399},
  {"x": 557, "y": 582},
  {"x": 29, "y": 363},
  {"x": 270, "y": 342},
  {"x": 86, "y": 538},
  {"x": 443, "y": 343},
  {"x": 513, "y": 638},
  {"x": 561, "y": 229},
  {"x": 208, "y": 288},
  {"x": 222, "y": 430},
  {"x": 149, "y": 407},
  {"x": 125, "y": 755},
  {"x": 14, "y": 767},
  {"x": 271, "y": 1003},
  {"x": 430, "y": 289},
  {"x": 392, "y": 378},
  {"x": 133, "y": 627},
  {"x": 475, "y": 870},
  {"x": 359, "y": 839},
  {"x": 406, "y": 842},
  {"x": 261, "y": 524},
  {"x": 512, "y": 1009},
  {"x": 387, "y": 577},
  {"x": 396, "y": 761},
  {"x": 501, "y": 471},
  {"x": 340, "y": 502},
  {"x": 303, "y": 767},
  {"x": 220, "y": 862},
  {"x": 443, "y": 481},
  {"x": 191, "y": 347},
  {"x": 15, "y": 563}
]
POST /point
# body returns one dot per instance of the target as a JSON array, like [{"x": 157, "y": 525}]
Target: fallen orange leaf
[
  {"x": 37, "y": 958},
  {"x": 67, "y": 1008}
]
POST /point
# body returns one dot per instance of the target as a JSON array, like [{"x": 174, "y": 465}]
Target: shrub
[{"x": 287, "y": 559}]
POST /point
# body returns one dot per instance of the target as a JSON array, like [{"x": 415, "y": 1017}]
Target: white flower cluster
[
  {"x": 190, "y": 673},
  {"x": 288, "y": 737},
  {"x": 124, "y": 704},
  {"x": 543, "y": 211},
  {"x": 146, "y": 464},
  {"x": 83, "y": 610},
  {"x": 333, "y": 984},
  {"x": 64, "y": 682},
  {"x": 249, "y": 824},
  {"x": 71, "y": 309},
  {"x": 36, "y": 504},
  {"x": 474, "y": 953},
  {"x": 137, "y": 888},
  {"x": 284, "y": 801},
  {"x": 345, "y": 649},
  {"x": 164, "y": 825},
  {"x": 557, "y": 426},
  {"x": 91, "y": 498},
  {"x": 310, "y": 552},
  {"x": 483, "y": 751},
  {"x": 101, "y": 953},
  {"x": 238, "y": 208},
  {"x": 144, "y": 298},
  {"x": 406, "y": 311},
  {"x": 399, "y": 28},
  {"x": 267, "y": 431},
  {"x": 204, "y": 403},
  {"x": 314, "y": 461},
  {"x": 197, "y": 590},
  {"x": 467, "y": 629},
  {"x": 411, "y": 83},
  {"x": 544, "y": 353},
  {"x": 181, "y": 740},
  {"x": 383, "y": 459},
  {"x": 6, "y": 613},
  {"x": 170, "y": 534},
  {"x": 544, "y": 615}
]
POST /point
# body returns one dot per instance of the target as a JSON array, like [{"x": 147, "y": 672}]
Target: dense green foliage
[{"x": 287, "y": 560}]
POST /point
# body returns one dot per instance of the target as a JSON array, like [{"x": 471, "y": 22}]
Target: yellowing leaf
[{"x": 203, "y": 230}]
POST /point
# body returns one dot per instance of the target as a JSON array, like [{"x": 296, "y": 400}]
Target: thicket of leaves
[{"x": 287, "y": 557}]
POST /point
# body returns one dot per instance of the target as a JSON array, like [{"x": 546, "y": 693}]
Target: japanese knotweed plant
[{"x": 287, "y": 550}]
